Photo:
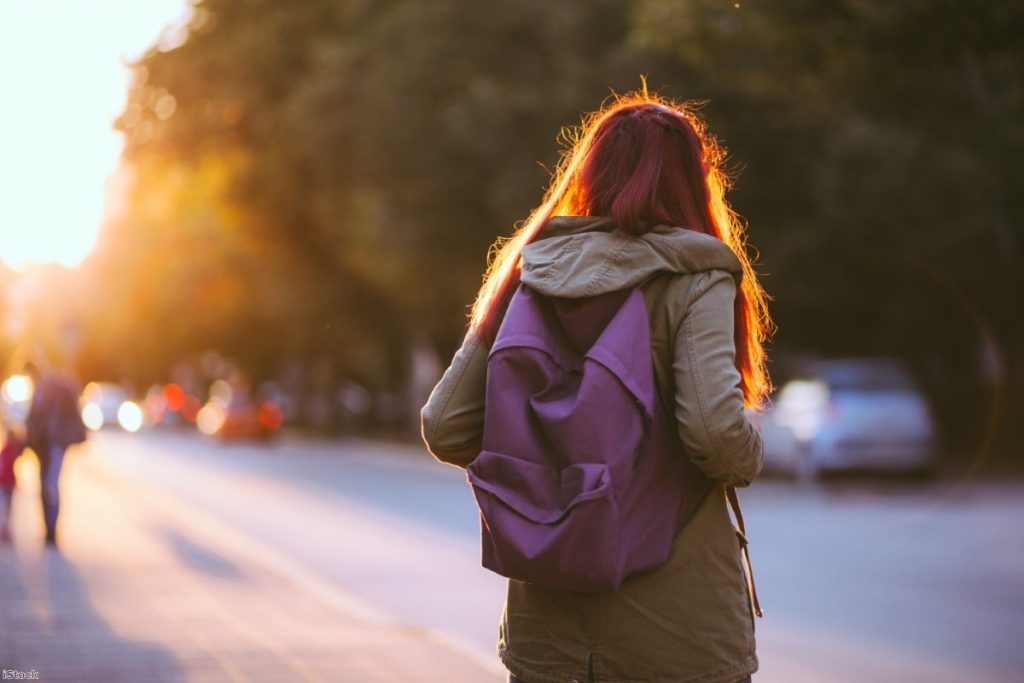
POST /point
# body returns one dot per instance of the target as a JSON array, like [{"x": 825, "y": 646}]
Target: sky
[{"x": 63, "y": 81}]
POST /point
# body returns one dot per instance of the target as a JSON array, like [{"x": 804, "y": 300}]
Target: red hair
[{"x": 642, "y": 161}]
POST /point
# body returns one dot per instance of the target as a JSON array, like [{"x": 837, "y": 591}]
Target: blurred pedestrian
[
  {"x": 9, "y": 452},
  {"x": 637, "y": 203},
  {"x": 53, "y": 424}
]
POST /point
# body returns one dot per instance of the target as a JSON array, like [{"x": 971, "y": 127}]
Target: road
[{"x": 859, "y": 582}]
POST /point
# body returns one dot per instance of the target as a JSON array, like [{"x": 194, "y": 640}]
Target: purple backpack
[{"x": 582, "y": 480}]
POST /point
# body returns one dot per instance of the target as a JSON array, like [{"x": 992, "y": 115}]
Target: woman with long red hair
[{"x": 638, "y": 202}]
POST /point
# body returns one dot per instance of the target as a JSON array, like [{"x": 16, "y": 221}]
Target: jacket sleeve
[
  {"x": 453, "y": 418},
  {"x": 709, "y": 400}
]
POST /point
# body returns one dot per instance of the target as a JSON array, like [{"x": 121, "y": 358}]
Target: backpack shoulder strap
[
  {"x": 741, "y": 533},
  {"x": 526, "y": 324}
]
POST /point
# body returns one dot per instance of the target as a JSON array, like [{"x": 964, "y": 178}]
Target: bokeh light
[
  {"x": 92, "y": 416},
  {"x": 211, "y": 418},
  {"x": 801, "y": 407},
  {"x": 18, "y": 388},
  {"x": 129, "y": 416}
]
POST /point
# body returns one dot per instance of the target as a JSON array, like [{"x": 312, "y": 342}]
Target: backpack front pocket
[{"x": 557, "y": 528}]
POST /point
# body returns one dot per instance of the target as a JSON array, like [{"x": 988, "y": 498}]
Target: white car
[
  {"x": 850, "y": 414},
  {"x": 782, "y": 450},
  {"x": 100, "y": 403}
]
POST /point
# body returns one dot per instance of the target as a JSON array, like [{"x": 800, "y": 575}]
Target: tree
[
  {"x": 879, "y": 144},
  {"x": 330, "y": 173},
  {"x": 373, "y": 179}
]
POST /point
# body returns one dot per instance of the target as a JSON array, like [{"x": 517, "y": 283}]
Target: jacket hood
[{"x": 581, "y": 256}]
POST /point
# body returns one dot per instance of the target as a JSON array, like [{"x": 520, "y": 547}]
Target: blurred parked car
[
  {"x": 850, "y": 414},
  {"x": 781, "y": 448},
  {"x": 100, "y": 402},
  {"x": 230, "y": 414},
  {"x": 106, "y": 404}
]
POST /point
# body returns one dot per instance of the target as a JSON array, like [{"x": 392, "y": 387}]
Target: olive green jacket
[{"x": 691, "y": 618}]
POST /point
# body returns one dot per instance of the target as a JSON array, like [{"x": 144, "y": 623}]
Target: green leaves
[{"x": 359, "y": 157}]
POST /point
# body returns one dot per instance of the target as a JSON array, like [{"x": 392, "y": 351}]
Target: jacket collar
[{"x": 580, "y": 256}]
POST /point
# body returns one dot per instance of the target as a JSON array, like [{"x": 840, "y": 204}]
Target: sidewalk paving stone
[{"x": 132, "y": 595}]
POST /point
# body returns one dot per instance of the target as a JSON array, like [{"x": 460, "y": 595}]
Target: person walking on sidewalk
[
  {"x": 637, "y": 202},
  {"x": 53, "y": 424}
]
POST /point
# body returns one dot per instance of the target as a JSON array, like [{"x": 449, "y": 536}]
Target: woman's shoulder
[{"x": 675, "y": 292}]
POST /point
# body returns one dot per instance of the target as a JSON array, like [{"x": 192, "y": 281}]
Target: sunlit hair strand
[{"x": 641, "y": 160}]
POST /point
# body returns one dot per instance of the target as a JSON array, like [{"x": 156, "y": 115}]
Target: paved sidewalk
[{"x": 142, "y": 591}]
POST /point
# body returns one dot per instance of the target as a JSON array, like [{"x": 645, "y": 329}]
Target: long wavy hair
[{"x": 641, "y": 160}]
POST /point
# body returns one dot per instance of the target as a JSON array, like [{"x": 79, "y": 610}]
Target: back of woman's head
[
  {"x": 643, "y": 165},
  {"x": 641, "y": 160}
]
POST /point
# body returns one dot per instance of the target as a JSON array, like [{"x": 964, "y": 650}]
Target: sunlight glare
[{"x": 65, "y": 81}]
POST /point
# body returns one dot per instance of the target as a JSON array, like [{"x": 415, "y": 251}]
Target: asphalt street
[{"x": 860, "y": 581}]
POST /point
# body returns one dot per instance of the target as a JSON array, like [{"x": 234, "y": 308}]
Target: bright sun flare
[{"x": 64, "y": 80}]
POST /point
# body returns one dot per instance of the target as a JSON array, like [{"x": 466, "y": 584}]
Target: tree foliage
[
  {"x": 881, "y": 145},
  {"x": 323, "y": 178}
]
